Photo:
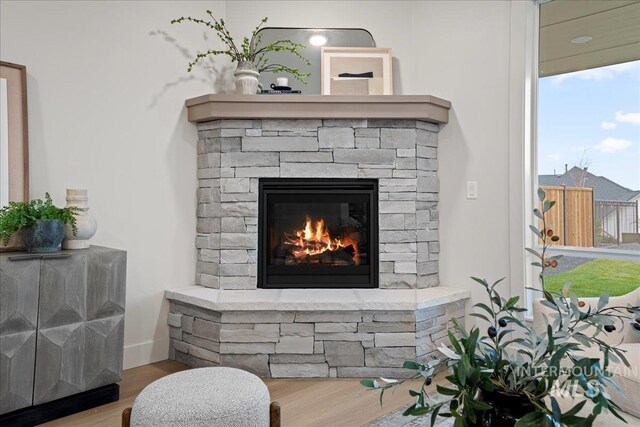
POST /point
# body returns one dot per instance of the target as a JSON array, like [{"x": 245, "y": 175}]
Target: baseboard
[
  {"x": 35, "y": 415},
  {"x": 146, "y": 352}
]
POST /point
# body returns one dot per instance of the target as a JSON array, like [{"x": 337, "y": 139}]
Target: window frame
[
  {"x": 523, "y": 156},
  {"x": 523, "y": 79}
]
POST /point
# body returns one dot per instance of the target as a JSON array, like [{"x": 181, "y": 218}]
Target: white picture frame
[{"x": 356, "y": 60}]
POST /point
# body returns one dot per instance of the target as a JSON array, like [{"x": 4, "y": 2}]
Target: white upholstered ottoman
[{"x": 209, "y": 397}]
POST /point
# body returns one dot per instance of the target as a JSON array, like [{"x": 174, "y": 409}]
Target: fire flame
[{"x": 314, "y": 240}]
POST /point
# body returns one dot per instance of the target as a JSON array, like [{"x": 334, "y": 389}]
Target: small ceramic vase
[
  {"x": 246, "y": 78},
  {"x": 85, "y": 222},
  {"x": 44, "y": 236}
]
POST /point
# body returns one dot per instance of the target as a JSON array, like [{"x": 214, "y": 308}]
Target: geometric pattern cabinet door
[
  {"x": 63, "y": 291},
  {"x": 106, "y": 275},
  {"x": 19, "y": 281},
  {"x": 59, "y": 362},
  {"x": 18, "y": 317},
  {"x": 103, "y": 344},
  {"x": 17, "y": 356},
  {"x": 81, "y": 334},
  {"x": 62, "y": 313},
  {"x": 104, "y": 327}
]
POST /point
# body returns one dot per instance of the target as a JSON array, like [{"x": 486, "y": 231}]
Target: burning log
[
  {"x": 314, "y": 245},
  {"x": 339, "y": 256}
]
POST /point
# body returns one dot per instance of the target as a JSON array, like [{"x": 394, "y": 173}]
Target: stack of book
[{"x": 280, "y": 92}]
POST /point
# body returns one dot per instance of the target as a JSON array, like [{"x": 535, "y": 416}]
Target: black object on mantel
[
  {"x": 40, "y": 414},
  {"x": 280, "y": 92},
  {"x": 275, "y": 87},
  {"x": 368, "y": 74}
]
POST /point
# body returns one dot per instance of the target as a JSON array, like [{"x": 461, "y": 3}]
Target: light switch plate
[{"x": 472, "y": 189}]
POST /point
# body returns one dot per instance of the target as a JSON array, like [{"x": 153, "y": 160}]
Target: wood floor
[{"x": 304, "y": 402}]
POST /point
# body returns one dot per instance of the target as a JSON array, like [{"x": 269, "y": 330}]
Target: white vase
[
  {"x": 246, "y": 79},
  {"x": 85, "y": 222}
]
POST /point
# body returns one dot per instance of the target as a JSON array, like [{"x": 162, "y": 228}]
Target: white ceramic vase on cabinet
[{"x": 85, "y": 222}]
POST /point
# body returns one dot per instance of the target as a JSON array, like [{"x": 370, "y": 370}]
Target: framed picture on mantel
[
  {"x": 356, "y": 71},
  {"x": 14, "y": 137}
]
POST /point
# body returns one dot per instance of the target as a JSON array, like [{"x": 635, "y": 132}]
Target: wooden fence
[{"x": 572, "y": 216}]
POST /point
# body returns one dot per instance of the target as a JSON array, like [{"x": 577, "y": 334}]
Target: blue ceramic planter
[{"x": 44, "y": 236}]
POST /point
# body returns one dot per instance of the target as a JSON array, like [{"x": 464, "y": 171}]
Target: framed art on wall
[
  {"x": 14, "y": 136},
  {"x": 356, "y": 71}
]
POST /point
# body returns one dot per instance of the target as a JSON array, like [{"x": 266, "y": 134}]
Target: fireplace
[
  {"x": 281, "y": 202},
  {"x": 318, "y": 233}
]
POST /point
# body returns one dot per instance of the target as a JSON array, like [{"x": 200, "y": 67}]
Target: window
[{"x": 588, "y": 141}]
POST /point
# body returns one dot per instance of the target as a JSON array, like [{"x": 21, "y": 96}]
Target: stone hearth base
[{"x": 308, "y": 336}]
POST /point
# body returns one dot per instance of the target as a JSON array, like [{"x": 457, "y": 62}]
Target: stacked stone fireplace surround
[{"x": 348, "y": 340}]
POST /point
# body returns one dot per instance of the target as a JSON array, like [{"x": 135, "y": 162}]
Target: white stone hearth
[
  {"x": 316, "y": 299},
  {"x": 291, "y": 333}
]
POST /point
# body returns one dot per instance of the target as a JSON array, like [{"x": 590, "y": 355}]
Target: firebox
[{"x": 318, "y": 233}]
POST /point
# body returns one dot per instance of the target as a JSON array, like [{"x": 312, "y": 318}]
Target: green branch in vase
[{"x": 250, "y": 49}]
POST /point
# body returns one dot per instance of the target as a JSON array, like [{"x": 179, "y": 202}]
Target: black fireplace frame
[{"x": 318, "y": 276}]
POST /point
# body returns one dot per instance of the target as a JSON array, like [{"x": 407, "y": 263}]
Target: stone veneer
[
  {"x": 293, "y": 344},
  {"x": 291, "y": 333},
  {"x": 234, "y": 154}
]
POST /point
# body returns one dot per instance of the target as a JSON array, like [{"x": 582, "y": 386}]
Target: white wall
[
  {"x": 106, "y": 113},
  {"x": 466, "y": 60}
]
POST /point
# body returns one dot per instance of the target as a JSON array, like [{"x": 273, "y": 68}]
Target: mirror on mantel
[{"x": 313, "y": 39}]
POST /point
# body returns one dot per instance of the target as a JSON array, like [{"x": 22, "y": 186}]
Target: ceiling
[{"x": 613, "y": 25}]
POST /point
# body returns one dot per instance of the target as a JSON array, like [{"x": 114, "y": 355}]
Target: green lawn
[{"x": 598, "y": 276}]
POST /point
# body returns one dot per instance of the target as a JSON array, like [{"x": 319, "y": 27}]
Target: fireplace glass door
[{"x": 318, "y": 233}]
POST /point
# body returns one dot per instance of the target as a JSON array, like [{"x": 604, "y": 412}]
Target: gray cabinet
[{"x": 61, "y": 324}]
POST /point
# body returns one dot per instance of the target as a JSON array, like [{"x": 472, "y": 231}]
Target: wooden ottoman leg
[
  {"x": 126, "y": 417},
  {"x": 274, "y": 414}
]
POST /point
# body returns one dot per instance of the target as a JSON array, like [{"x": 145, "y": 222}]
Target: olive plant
[{"x": 514, "y": 358}]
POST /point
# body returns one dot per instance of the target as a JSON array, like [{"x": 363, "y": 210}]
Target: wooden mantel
[{"x": 223, "y": 106}]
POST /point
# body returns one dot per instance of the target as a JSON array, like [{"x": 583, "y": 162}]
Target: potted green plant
[
  {"x": 251, "y": 57},
  {"x": 511, "y": 375},
  {"x": 41, "y": 222}
]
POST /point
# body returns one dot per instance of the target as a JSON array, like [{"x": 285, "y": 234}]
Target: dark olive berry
[
  {"x": 636, "y": 326},
  {"x": 502, "y": 322},
  {"x": 609, "y": 328},
  {"x": 428, "y": 381},
  {"x": 492, "y": 332}
]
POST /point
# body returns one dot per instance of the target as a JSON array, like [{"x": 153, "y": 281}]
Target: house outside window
[{"x": 588, "y": 142}]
